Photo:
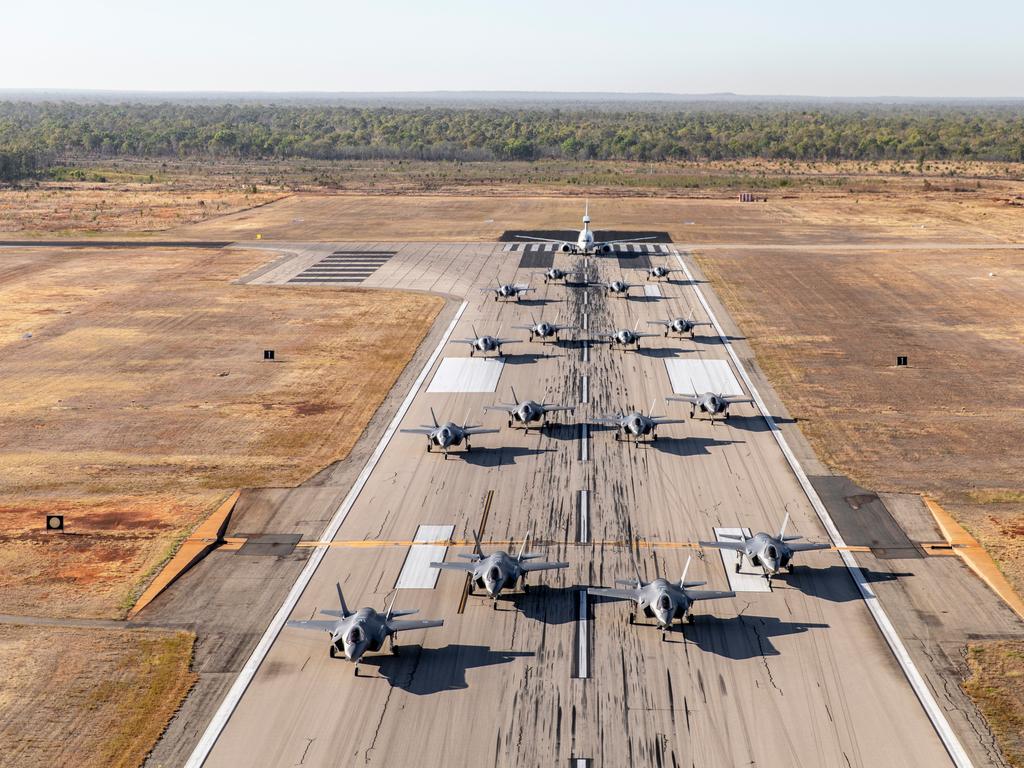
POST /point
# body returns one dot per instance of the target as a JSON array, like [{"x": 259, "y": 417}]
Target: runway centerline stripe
[
  {"x": 917, "y": 682},
  {"x": 248, "y": 672},
  {"x": 583, "y": 443},
  {"x": 585, "y": 393},
  {"x": 584, "y": 517},
  {"x": 583, "y": 666}
]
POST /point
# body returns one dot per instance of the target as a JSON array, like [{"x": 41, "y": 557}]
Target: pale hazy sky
[{"x": 807, "y": 47}]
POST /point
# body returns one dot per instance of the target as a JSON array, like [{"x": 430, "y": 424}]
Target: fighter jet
[
  {"x": 619, "y": 287},
  {"x": 585, "y": 242},
  {"x": 625, "y": 336},
  {"x": 680, "y": 325},
  {"x": 528, "y": 411},
  {"x": 505, "y": 291},
  {"x": 657, "y": 272},
  {"x": 485, "y": 343},
  {"x": 544, "y": 330},
  {"x": 710, "y": 403},
  {"x": 498, "y": 570},
  {"x": 772, "y": 553},
  {"x": 365, "y": 630},
  {"x": 662, "y": 600},
  {"x": 635, "y": 424},
  {"x": 553, "y": 274},
  {"x": 448, "y": 434}
]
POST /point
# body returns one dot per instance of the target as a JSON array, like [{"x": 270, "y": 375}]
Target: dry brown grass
[
  {"x": 826, "y": 328},
  {"x": 87, "y": 209},
  {"x": 88, "y": 697},
  {"x": 996, "y": 685},
  {"x": 141, "y": 400}
]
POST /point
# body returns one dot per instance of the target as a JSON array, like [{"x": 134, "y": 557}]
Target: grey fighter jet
[
  {"x": 635, "y": 424},
  {"x": 772, "y": 553},
  {"x": 553, "y": 274},
  {"x": 505, "y": 291},
  {"x": 710, "y": 403},
  {"x": 657, "y": 272},
  {"x": 485, "y": 343},
  {"x": 680, "y": 325},
  {"x": 619, "y": 287},
  {"x": 625, "y": 337},
  {"x": 544, "y": 330},
  {"x": 448, "y": 434},
  {"x": 499, "y": 570},
  {"x": 355, "y": 633},
  {"x": 528, "y": 411},
  {"x": 662, "y": 600}
]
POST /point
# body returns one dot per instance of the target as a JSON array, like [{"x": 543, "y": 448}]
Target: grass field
[
  {"x": 94, "y": 698},
  {"x": 997, "y": 686},
  {"x": 136, "y": 399}
]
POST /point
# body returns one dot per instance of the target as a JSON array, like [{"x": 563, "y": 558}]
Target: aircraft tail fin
[
  {"x": 785, "y": 522},
  {"x": 476, "y": 547},
  {"x": 341, "y": 599},
  {"x": 636, "y": 569},
  {"x": 433, "y": 418},
  {"x": 682, "y": 580},
  {"x": 514, "y": 398},
  {"x": 391, "y": 608},
  {"x": 526, "y": 541},
  {"x": 475, "y": 334}
]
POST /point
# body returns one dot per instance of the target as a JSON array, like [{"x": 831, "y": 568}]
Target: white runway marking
[
  {"x": 467, "y": 374},
  {"x": 867, "y": 592},
  {"x": 586, "y": 351},
  {"x": 706, "y": 375},
  {"x": 584, "y": 321},
  {"x": 653, "y": 291},
  {"x": 584, "y": 399},
  {"x": 749, "y": 579},
  {"x": 584, "y": 517},
  {"x": 583, "y": 668},
  {"x": 416, "y": 572},
  {"x": 234, "y": 694},
  {"x": 583, "y": 443}
]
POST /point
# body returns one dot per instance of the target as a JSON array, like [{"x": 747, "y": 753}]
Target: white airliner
[{"x": 585, "y": 243}]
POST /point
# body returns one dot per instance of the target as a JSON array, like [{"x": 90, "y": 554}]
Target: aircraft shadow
[
  {"x": 689, "y": 446},
  {"x": 660, "y": 352},
  {"x": 833, "y": 583},
  {"x": 487, "y": 456},
  {"x": 424, "y": 671},
  {"x": 751, "y": 423},
  {"x": 738, "y": 637},
  {"x": 539, "y": 302},
  {"x": 700, "y": 338},
  {"x": 524, "y": 358},
  {"x": 644, "y": 299},
  {"x": 551, "y": 605}
]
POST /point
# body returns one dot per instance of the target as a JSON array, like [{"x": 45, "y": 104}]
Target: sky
[{"x": 803, "y": 47}]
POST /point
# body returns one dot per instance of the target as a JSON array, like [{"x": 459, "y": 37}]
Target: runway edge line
[
  {"x": 220, "y": 718},
  {"x": 917, "y": 682}
]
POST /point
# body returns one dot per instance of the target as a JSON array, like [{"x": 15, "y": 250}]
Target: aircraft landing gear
[
  {"x": 356, "y": 672},
  {"x": 333, "y": 652},
  {"x": 632, "y": 618}
]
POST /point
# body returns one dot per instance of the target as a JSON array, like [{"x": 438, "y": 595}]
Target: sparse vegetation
[{"x": 996, "y": 685}]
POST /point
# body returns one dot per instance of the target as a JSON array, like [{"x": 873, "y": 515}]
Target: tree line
[{"x": 68, "y": 130}]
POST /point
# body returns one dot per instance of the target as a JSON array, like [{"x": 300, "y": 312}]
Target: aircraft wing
[
  {"x": 501, "y": 407},
  {"x": 630, "y": 240},
  {"x": 502, "y": 342},
  {"x": 542, "y": 239},
  {"x": 522, "y": 288},
  {"x": 735, "y": 400},
  {"x": 660, "y": 420},
  {"x": 463, "y": 341},
  {"x": 418, "y": 430},
  {"x": 808, "y": 546},
  {"x": 645, "y": 335},
  {"x": 523, "y": 327},
  {"x": 541, "y": 566},
  {"x": 320, "y": 625},
  {"x": 478, "y": 430},
  {"x": 707, "y": 594},
  {"x": 615, "y": 594},
  {"x": 405, "y": 625},
  {"x": 666, "y": 323},
  {"x": 692, "y": 399},
  {"x": 567, "y": 327},
  {"x": 616, "y": 420},
  {"x": 548, "y": 407},
  {"x": 466, "y": 567},
  {"x": 735, "y": 546}
]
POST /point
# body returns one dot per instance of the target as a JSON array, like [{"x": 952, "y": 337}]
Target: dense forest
[{"x": 67, "y": 130}]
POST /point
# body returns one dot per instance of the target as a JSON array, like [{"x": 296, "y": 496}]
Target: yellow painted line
[{"x": 977, "y": 559}]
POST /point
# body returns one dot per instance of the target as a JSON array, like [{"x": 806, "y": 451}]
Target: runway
[{"x": 799, "y": 675}]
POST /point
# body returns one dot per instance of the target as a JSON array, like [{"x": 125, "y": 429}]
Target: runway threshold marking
[
  {"x": 583, "y": 662},
  {"x": 483, "y": 524},
  {"x": 924, "y": 695},
  {"x": 248, "y": 672}
]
